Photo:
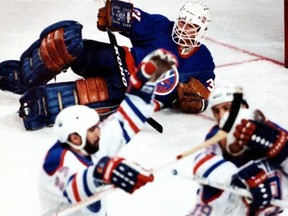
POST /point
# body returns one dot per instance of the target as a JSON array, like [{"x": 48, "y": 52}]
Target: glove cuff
[{"x": 100, "y": 167}]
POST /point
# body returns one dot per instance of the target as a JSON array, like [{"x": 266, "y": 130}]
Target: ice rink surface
[{"x": 246, "y": 41}]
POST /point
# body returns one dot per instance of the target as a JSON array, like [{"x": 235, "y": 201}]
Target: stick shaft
[
  {"x": 232, "y": 189},
  {"x": 216, "y": 138},
  {"x": 104, "y": 191}
]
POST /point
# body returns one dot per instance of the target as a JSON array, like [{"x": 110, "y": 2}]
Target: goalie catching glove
[
  {"x": 122, "y": 173},
  {"x": 192, "y": 97}
]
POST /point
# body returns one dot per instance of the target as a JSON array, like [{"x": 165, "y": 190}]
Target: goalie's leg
[{"x": 59, "y": 44}]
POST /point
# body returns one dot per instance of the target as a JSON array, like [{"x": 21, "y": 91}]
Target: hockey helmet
[
  {"x": 222, "y": 94},
  {"x": 190, "y": 28},
  {"x": 75, "y": 119}
]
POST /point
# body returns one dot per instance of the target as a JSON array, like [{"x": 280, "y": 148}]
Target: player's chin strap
[
  {"x": 230, "y": 188},
  {"x": 221, "y": 134},
  {"x": 112, "y": 38}
]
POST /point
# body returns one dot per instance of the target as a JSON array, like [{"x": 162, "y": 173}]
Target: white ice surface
[{"x": 246, "y": 40}]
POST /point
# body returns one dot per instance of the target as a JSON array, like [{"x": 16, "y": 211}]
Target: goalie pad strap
[
  {"x": 54, "y": 52},
  {"x": 92, "y": 90}
]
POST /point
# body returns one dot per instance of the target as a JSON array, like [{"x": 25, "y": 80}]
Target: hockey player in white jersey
[
  {"x": 85, "y": 155},
  {"x": 253, "y": 156}
]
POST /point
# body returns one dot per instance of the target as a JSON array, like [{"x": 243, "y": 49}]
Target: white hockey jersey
[
  {"x": 211, "y": 165},
  {"x": 67, "y": 177}
]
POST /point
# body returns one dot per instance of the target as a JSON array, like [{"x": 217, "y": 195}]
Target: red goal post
[{"x": 286, "y": 33}]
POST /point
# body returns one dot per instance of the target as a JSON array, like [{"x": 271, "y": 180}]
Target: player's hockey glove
[
  {"x": 116, "y": 16},
  {"x": 152, "y": 67},
  {"x": 155, "y": 64},
  {"x": 122, "y": 173},
  {"x": 257, "y": 182},
  {"x": 191, "y": 97},
  {"x": 270, "y": 141}
]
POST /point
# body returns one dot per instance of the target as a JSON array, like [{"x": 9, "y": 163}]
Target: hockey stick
[
  {"x": 124, "y": 73},
  {"x": 236, "y": 103},
  {"x": 221, "y": 134},
  {"x": 230, "y": 188},
  {"x": 67, "y": 210},
  {"x": 151, "y": 121}
]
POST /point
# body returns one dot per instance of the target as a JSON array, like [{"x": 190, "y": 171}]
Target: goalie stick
[
  {"x": 123, "y": 72},
  {"x": 236, "y": 103},
  {"x": 230, "y": 188}
]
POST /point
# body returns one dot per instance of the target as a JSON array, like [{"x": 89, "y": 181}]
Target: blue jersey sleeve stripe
[
  {"x": 125, "y": 134},
  {"x": 135, "y": 109},
  {"x": 207, "y": 173},
  {"x": 85, "y": 184}
]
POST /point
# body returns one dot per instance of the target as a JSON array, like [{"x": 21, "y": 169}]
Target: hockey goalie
[{"x": 106, "y": 68}]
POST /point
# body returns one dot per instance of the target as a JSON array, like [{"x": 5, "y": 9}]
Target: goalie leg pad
[
  {"x": 97, "y": 93},
  {"x": 10, "y": 77},
  {"x": 92, "y": 90},
  {"x": 58, "y": 46},
  {"x": 59, "y": 96},
  {"x": 32, "y": 108},
  {"x": 40, "y": 105}
]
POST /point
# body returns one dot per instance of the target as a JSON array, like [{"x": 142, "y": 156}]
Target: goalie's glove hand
[
  {"x": 122, "y": 173},
  {"x": 191, "y": 97},
  {"x": 152, "y": 67},
  {"x": 263, "y": 138},
  {"x": 257, "y": 182}
]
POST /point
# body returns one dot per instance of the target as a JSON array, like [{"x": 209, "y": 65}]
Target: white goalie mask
[
  {"x": 190, "y": 28},
  {"x": 75, "y": 119}
]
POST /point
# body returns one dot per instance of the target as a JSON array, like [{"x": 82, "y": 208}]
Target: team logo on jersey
[{"x": 167, "y": 83}]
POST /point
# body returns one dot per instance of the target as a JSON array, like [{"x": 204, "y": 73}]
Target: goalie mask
[
  {"x": 190, "y": 28},
  {"x": 75, "y": 119}
]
